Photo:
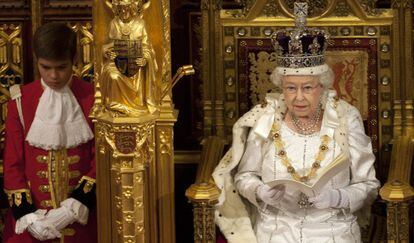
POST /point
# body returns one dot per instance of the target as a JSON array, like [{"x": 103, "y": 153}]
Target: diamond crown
[{"x": 300, "y": 47}]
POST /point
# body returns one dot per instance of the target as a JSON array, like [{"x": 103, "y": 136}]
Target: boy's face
[{"x": 55, "y": 73}]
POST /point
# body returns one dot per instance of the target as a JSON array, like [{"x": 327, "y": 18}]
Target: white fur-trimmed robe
[{"x": 235, "y": 215}]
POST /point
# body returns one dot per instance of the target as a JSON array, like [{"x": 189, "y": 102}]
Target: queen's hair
[{"x": 326, "y": 78}]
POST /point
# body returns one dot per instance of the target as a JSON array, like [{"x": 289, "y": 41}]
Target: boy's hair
[{"x": 55, "y": 41}]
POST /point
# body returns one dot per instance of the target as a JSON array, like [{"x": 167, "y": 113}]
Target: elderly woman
[{"x": 295, "y": 135}]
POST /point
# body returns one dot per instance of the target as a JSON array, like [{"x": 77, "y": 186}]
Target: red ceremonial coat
[{"x": 23, "y": 168}]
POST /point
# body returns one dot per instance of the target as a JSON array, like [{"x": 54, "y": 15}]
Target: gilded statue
[{"x": 128, "y": 78}]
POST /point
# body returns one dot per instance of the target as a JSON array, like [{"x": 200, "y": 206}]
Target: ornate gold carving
[
  {"x": 128, "y": 81},
  {"x": 130, "y": 145},
  {"x": 165, "y": 136},
  {"x": 398, "y": 222},
  {"x": 108, "y": 132},
  {"x": 342, "y": 9},
  {"x": 125, "y": 142},
  {"x": 271, "y": 8},
  {"x": 11, "y": 54},
  {"x": 247, "y": 5},
  {"x": 84, "y": 67},
  {"x": 164, "y": 164},
  {"x": 204, "y": 226},
  {"x": 397, "y": 191},
  {"x": 204, "y": 194},
  {"x": 369, "y": 7},
  {"x": 401, "y": 4},
  {"x": 203, "y": 197},
  {"x": 137, "y": 181}
]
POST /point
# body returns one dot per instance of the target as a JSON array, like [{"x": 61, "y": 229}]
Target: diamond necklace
[{"x": 309, "y": 127}]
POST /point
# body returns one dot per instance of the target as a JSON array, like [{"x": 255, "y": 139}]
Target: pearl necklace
[
  {"x": 280, "y": 150},
  {"x": 310, "y": 127}
]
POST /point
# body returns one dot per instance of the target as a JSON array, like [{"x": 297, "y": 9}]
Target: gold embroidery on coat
[
  {"x": 74, "y": 174},
  {"x": 89, "y": 182},
  {"x": 15, "y": 196},
  {"x": 42, "y": 158},
  {"x": 44, "y": 188},
  {"x": 42, "y": 174},
  {"x": 46, "y": 203},
  {"x": 73, "y": 159},
  {"x": 58, "y": 169}
]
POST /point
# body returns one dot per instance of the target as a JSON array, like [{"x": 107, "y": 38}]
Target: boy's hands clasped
[{"x": 47, "y": 226}]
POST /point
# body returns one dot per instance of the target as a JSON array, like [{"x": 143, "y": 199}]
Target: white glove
[
  {"x": 24, "y": 222},
  {"x": 70, "y": 210},
  {"x": 43, "y": 231},
  {"x": 331, "y": 198},
  {"x": 270, "y": 195}
]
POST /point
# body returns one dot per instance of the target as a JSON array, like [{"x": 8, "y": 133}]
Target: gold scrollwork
[
  {"x": 11, "y": 54},
  {"x": 204, "y": 226},
  {"x": 369, "y": 7},
  {"x": 165, "y": 136},
  {"x": 85, "y": 59}
]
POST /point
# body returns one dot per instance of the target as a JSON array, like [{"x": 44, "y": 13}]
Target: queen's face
[{"x": 302, "y": 94}]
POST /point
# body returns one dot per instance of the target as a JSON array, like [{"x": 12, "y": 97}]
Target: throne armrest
[
  {"x": 397, "y": 191},
  {"x": 204, "y": 194}
]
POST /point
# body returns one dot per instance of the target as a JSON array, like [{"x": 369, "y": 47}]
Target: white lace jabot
[{"x": 59, "y": 121}]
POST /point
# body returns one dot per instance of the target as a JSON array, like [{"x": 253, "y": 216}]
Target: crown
[{"x": 300, "y": 47}]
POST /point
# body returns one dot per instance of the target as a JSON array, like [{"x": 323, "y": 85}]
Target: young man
[{"x": 49, "y": 159}]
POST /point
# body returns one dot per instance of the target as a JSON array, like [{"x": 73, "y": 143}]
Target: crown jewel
[{"x": 300, "y": 47}]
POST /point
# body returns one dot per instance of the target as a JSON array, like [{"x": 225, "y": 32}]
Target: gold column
[
  {"x": 211, "y": 53},
  {"x": 135, "y": 153},
  {"x": 397, "y": 192},
  {"x": 403, "y": 62},
  {"x": 204, "y": 197},
  {"x": 124, "y": 152},
  {"x": 204, "y": 194},
  {"x": 164, "y": 168}
]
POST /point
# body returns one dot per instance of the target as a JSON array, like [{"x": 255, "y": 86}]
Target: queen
[
  {"x": 294, "y": 136},
  {"x": 128, "y": 77}
]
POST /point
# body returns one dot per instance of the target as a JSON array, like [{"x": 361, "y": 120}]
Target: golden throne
[{"x": 370, "y": 69}]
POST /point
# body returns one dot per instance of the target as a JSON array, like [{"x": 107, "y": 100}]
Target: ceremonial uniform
[{"x": 35, "y": 178}]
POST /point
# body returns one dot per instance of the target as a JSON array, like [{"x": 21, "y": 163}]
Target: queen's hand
[
  {"x": 332, "y": 198},
  {"x": 270, "y": 195}
]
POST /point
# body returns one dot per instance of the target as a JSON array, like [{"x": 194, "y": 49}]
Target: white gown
[{"x": 287, "y": 222}]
